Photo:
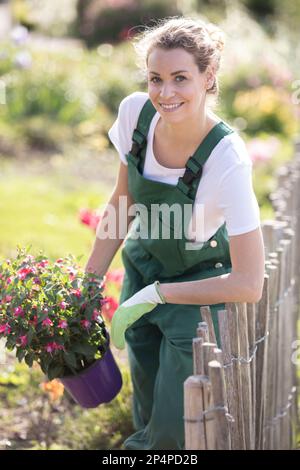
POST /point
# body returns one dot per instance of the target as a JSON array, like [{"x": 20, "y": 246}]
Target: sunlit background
[{"x": 64, "y": 68}]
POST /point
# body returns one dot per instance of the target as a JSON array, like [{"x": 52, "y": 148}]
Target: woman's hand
[{"x": 132, "y": 309}]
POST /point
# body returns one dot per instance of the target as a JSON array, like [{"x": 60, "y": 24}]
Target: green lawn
[{"x": 43, "y": 211}]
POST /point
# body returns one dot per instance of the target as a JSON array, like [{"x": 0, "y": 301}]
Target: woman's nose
[{"x": 166, "y": 91}]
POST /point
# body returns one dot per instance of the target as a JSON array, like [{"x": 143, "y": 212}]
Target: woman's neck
[{"x": 188, "y": 131}]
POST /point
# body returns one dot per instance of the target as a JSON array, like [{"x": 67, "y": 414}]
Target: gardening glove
[{"x": 132, "y": 309}]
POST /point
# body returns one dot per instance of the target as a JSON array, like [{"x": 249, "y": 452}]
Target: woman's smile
[{"x": 169, "y": 108}]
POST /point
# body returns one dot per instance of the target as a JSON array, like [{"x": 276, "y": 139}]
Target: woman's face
[{"x": 174, "y": 79}]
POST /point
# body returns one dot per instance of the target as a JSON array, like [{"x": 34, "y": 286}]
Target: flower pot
[{"x": 97, "y": 384}]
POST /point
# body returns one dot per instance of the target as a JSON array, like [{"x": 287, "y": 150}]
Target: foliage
[
  {"x": 102, "y": 21},
  {"x": 51, "y": 313}
]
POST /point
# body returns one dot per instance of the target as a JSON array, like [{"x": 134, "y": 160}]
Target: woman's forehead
[{"x": 166, "y": 58}]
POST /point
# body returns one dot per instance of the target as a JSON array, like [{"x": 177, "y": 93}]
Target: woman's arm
[
  {"x": 243, "y": 284},
  {"x": 104, "y": 250}
]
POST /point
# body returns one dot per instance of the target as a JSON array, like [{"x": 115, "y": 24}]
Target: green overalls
[{"x": 160, "y": 343}]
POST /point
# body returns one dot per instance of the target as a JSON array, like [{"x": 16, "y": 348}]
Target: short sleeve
[
  {"x": 237, "y": 200},
  {"x": 118, "y": 133},
  {"x": 122, "y": 129}
]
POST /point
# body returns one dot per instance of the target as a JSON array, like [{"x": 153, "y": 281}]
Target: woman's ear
[{"x": 210, "y": 77}]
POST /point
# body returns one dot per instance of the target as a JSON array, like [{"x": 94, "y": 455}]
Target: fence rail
[{"x": 244, "y": 395}]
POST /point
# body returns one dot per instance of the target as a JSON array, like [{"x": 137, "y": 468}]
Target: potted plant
[{"x": 50, "y": 312}]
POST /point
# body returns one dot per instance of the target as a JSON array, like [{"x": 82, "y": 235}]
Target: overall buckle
[
  {"x": 190, "y": 175},
  {"x": 138, "y": 142}
]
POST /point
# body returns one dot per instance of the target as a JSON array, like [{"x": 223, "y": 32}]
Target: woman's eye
[
  {"x": 181, "y": 78},
  {"x": 156, "y": 79},
  {"x": 153, "y": 79}
]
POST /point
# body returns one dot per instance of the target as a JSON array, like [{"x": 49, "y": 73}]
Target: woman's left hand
[{"x": 132, "y": 309}]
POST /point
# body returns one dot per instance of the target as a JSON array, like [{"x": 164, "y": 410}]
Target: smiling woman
[{"x": 175, "y": 151}]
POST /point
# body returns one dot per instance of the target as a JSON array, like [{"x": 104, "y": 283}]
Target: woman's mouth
[{"x": 170, "y": 107}]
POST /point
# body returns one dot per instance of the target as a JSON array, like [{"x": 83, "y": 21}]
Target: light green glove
[{"x": 132, "y": 309}]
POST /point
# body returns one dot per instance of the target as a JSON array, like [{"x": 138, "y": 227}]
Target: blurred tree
[{"x": 112, "y": 21}]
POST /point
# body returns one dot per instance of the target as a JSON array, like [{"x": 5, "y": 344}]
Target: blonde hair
[{"x": 205, "y": 41}]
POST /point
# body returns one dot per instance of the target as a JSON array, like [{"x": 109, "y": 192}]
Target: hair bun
[{"x": 216, "y": 35}]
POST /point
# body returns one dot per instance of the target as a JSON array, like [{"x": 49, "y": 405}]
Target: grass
[{"x": 43, "y": 211}]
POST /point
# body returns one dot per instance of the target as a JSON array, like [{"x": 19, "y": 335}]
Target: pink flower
[
  {"x": 76, "y": 292},
  {"x": 22, "y": 273},
  {"x": 96, "y": 314},
  {"x": 33, "y": 321},
  {"x": 8, "y": 280},
  {"x": 63, "y": 305},
  {"x": 22, "y": 341},
  {"x": 43, "y": 263},
  {"x": 6, "y": 329},
  {"x": 18, "y": 312},
  {"x": 47, "y": 322},
  {"x": 50, "y": 347},
  {"x": 117, "y": 276},
  {"x": 109, "y": 306},
  {"x": 62, "y": 324},
  {"x": 59, "y": 260},
  {"x": 36, "y": 280},
  {"x": 89, "y": 217},
  {"x": 85, "y": 324},
  {"x": 262, "y": 150},
  {"x": 6, "y": 299},
  {"x": 72, "y": 273}
]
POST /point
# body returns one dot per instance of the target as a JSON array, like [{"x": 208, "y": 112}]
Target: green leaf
[
  {"x": 21, "y": 354},
  {"x": 55, "y": 370},
  {"x": 30, "y": 336},
  {"x": 85, "y": 349},
  {"x": 70, "y": 359},
  {"x": 29, "y": 359}
]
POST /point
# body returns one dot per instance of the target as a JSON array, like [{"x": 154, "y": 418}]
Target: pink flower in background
[
  {"x": 63, "y": 305},
  {"x": 6, "y": 299},
  {"x": 22, "y": 273},
  {"x": 96, "y": 314},
  {"x": 18, "y": 312},
  {"x": 116, "y": 276},
  {"x": 85, "y": 324},
  {"x": 23, "y": 341},
  {"x": 125, "y": 33},
  {"x": 76, "y": 292},
  {"x": 5, "y": 329},
  {"x": 109, "y": 306},
  {"x": 254, "y": 81},
  {"x": 43, "y": 263},
  {"x": 262, "y": 150},
  {"x": 50, "y": 347},
  {"x": 90, "y": 217},
  {"x": 33, "y": 321},
  {"x": 47, "y": 322},
  {"x": 62, "y": 324}
]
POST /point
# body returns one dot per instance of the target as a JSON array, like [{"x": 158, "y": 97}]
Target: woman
[{"x": 175, "y": 151}]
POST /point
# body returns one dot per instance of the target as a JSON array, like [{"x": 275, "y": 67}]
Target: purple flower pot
[{"x": 97, "y": 384}]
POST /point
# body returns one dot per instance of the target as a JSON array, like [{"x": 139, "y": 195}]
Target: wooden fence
[{"x": 244, "y": 395}]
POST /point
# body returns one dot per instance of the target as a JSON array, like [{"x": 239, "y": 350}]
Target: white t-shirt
[{"x": 225, "y": 192}]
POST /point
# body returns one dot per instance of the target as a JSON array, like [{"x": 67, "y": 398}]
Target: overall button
[
  {"x": 147, "y": 256},
  {"x": 218, "y": 265},
  {"x": 213, "y": 243}
]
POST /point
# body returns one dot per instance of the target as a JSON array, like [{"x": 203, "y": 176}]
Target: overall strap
[
  {"x": 189, "y": 182},
  {"x": 140, "y": 133}
]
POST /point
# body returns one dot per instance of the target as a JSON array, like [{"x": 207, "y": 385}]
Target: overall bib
[{"x": 159, "y": 344}]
